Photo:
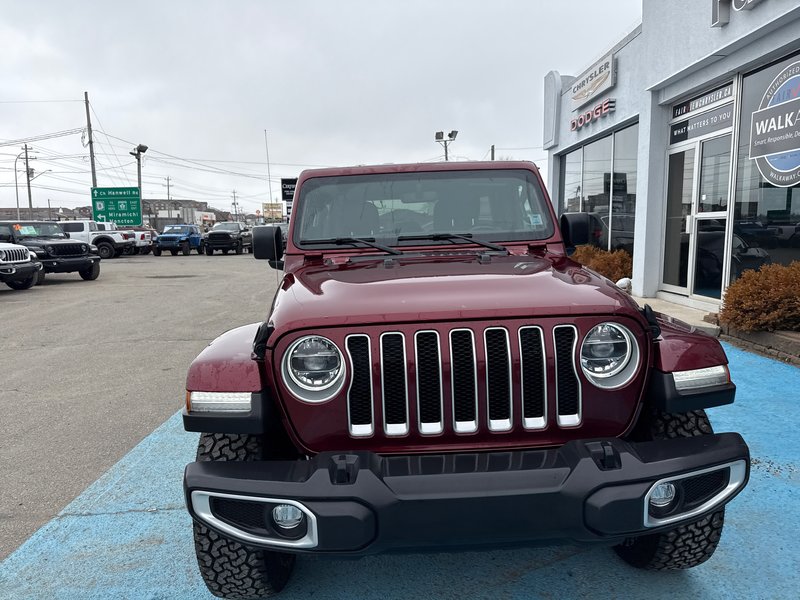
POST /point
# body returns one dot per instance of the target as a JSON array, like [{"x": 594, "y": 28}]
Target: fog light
[
  {"x": 662, "y": 495},
  {"x": 287, "y": 516}
]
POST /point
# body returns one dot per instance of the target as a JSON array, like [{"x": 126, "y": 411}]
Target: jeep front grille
[
  {"x": 67, "y": 250},
  {"x": 16, "y": 255},
  {"x": 417, "y": 368}
]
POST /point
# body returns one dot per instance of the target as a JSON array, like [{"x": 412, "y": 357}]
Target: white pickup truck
[{"x": 109, "y": 241}]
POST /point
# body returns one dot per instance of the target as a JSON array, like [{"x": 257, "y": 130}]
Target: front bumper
[
  {"x": 19, "y": 271},
  {"x": 363, "y": 503},
  {"x": 223, "y": 244},
  {"x": 68, "y": 265}
]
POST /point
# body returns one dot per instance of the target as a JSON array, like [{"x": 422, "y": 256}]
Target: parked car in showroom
[
  {"x": 464, "y": 385},
  {"x": 227, "y": 236},
  {"x": 19, "y": 268},
  {"x": 56, "y": 252},
  {"x": 179, "y": 238}
]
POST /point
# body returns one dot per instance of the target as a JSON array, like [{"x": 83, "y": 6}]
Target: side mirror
[
  {"x": 66, "y": 234},
  {"x": 576, "y": 229},
  {"x": 268, "y": 244}
]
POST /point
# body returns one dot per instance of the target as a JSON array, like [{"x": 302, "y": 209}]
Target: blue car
[{"x": 179, "y": 238}]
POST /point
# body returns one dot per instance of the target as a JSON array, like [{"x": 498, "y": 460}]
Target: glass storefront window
[
  {"x": 715, "y": 165},
  {"x": 594, "y": 181},
  {"x": 623, "y": 194},
  {"x": 596, "y": 185},
  {"x": 766, "y": 215},
  {"x": 571, "y": 181}
]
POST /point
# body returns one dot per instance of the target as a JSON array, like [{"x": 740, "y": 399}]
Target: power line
[{"x": 44, "y": 136}]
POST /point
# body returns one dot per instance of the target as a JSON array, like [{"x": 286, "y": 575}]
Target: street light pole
[
  {"x": 439, "y": 137},
  {"x": 137, "y": 154}
]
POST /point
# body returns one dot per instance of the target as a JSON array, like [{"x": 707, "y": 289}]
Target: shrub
[
  {"x": 767, "y": 299},
  {"x": 614, "y": 265}
]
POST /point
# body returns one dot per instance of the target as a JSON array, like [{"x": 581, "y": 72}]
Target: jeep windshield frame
[{"x": 401, "y": 209}]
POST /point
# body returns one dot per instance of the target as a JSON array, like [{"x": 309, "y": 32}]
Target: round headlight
[
  {"x": 84, "y": 248},
  {"x": 314, "y": 363},
  {"x": 2, "y": 255},
  {"x": 609, "y": 355}
]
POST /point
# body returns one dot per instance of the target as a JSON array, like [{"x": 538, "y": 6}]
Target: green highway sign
[{"x": 120, "y": 205}]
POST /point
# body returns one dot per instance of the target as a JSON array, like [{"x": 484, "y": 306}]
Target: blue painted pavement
[{"x": 129, "y": 536}]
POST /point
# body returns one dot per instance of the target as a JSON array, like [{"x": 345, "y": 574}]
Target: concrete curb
[{"x": 783, "y": 345}]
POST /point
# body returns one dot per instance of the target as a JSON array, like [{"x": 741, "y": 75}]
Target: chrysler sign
[
  {"x": 590, "y": 84},
  {"x": 775, "y": 129}
]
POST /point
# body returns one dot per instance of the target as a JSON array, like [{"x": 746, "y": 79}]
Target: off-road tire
[
  {"x": 230, "y": 569},
  {"x": 239, "y": 247},
  {"x": 209, "y": 251},
  {"x": 156, "y": 251},
  {"x": 91, "y": 273},
  {"x": 687, "y": 545},
  {"x": 225, "y": 251},
  {"x": 105, "y": 250},
  {"x": 186, "y": 249},
  {"x": 40, "y": 277},
  {"x": 173, "y": 252},
  {"x": 23, "y": 284}
]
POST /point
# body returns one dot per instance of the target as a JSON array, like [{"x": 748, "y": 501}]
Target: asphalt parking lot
[
  {"x": 127, "y": 534},
  {"x": 89, "y": 368}
]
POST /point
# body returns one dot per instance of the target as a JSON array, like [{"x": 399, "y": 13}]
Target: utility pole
[
  {"x": 28, "y": 178},
  {"x": 492, "y": 151},
  {"x": 168, "y": 196},
  {"x": 49, "y": 216},
  {"x": 235, "y": 207},
  {"x": 91, "y": 142}
]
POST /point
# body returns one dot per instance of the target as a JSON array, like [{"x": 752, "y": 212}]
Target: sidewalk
[{"x": 781, "y": 345}]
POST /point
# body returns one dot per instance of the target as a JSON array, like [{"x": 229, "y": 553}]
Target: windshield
[
  {"x": 176, "y": 229},
  {"x": 38, "y": 230},
  {"x": 226, "y": 227},
  {"x": 398, "y": 209}
]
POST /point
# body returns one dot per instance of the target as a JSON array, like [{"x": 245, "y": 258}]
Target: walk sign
[{"x": 121, "y": 205}]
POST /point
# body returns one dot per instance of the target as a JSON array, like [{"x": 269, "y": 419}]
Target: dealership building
[{"x": 683, "y": 144}]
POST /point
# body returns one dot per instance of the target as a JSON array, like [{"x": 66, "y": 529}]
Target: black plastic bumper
[
  {"x": 68, "y": 265},
  {"x": 363, "y": 503},
  {"x": 17, "y": 272}
]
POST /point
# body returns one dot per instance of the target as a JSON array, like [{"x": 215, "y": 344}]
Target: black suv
[
  {"x": 56, "y": 252},
  {"x": 228, "y": 236}
]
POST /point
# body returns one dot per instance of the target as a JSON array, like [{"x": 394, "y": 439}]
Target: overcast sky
[{"x": 332, "y": 83}]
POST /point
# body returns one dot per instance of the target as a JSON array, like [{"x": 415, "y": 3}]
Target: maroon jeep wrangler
[{"x": 435, "y": 373}]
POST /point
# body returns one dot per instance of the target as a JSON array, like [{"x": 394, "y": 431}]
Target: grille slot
[
  {"x": 429, "y": 382},
  {"x": 244, "y": 514},
  {"x": 568, "y": 387},
  {"x": 700, "y": 488},
  {"x": 498, "y": 378},
  {"x": 395, "y": 393},
  {"x": 464, "y": 381},
  {"x": 534, "y": 379},
  {"x": 359, "y": 396}
]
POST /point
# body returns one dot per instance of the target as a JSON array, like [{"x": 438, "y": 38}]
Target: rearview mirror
[
  {"x": 576, "y": 228},
  {"x": 268, "y": 244}
]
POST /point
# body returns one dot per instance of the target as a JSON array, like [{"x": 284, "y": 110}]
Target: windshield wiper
[
  {"x": 466, "y": 237},
  {"x": 346, "y": 241}
]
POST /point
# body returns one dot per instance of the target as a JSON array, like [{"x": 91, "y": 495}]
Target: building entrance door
[{"x": 698, "y": 178}]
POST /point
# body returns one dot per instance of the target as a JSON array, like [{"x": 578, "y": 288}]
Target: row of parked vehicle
[
  {"x": 31, "y": 249},
  {"x": 224, "y": 237}
]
